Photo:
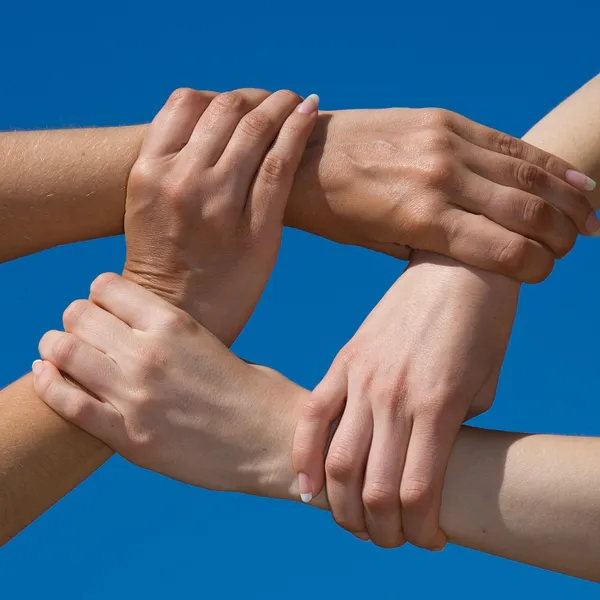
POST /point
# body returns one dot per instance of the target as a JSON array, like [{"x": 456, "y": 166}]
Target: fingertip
[
  {"x": 37, "y": 367},
  {"x": 305, "y": 488},
  {"x": 309, "y": 105}
]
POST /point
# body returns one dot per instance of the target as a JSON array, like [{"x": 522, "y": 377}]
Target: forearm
[
  {"x": 529, "y": 498},
  {"x": 59, "y": 187},
  {"x": 65, "y": 186},
  {"x": 572, "y": 132},
  {"x": 42, "y": 457}
]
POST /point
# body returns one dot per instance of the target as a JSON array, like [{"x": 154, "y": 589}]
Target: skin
[
  {"x": 426, "y": 358},
  {"x": 182, "y": 429},
  {"x": 526, "y": 498},
  {"x": 42, "y": 456},
  {"x": 336, "y": 174},
  {"x": 407, "y": 380},
  {"x": 59, "y": 187}
]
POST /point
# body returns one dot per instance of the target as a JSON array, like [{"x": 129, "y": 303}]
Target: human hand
[
  {"x": 429, "y": 179},
  {"x": 426, "y": 358},
  {"x": 206, "y": 200},
  {"x": 161, "y": 390}
]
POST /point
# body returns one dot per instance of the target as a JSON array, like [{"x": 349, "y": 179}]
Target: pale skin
[
  {"x": 403, "y": 385},
  {"x": 170, "y": 410},
  {"x": 52, "y": 476},
  {"x": 36, "y": 445},
  {"x": 530, "y": 498}
]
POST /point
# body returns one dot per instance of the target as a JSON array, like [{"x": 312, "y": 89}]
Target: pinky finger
[
  {"x": 481, "y": 243},
  {"x": 275, "y": 177},
  {"x": 76, "y": 405}
]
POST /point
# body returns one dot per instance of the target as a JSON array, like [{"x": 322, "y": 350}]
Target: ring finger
[
  {"x": 381, "y": 493},
  {"x": 345, "y": 465}
]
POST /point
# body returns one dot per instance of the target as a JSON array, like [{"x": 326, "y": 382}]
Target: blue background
[{"x": 126, "y": 533}]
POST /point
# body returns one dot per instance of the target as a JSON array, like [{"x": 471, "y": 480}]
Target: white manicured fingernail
[
  {"x": 37, "y": 366},
  {"x": 309, "y": 105},
  {"x": 304, "y": 487}
]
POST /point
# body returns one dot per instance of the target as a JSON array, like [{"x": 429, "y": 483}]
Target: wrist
[
  {"x": 274, "y": 476},
  {"x": 323, "y": 175}
]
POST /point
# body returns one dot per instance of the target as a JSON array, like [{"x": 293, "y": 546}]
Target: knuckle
[
  {"x": 437, "y": 140},
  {"x": 142, "y": 177},
  {"x": 513, "y": 255},
  {"x": 440, "y": 171},
  {"x": 416, "y": 495},
  {"x": 150, "y": 360},
  {"x": 76, "y": 313},
  {"x": 64, "y": 349},
  {"x": 438, "y": 399},
  {"x": 77, "y": 409},
  {"x": 346, "y": 356},
  {"x": 174, "y": 190},
  {"x": 385, "y": 400},
  {"x": 551, "y": 164},
  {"x": 438, "y": 117},
  {"x": 537, "y": 212},
  {"x": 527, "y": 175},
  {"x": 380, "y": 497},
  {"x": 173, "y": 319},
  {"x": 340, "y": 465},
  {"x": 104, "y": 284},
  {"x": 256, "y": 124},
  {"x": 315, "y": 407},
  {"x": 229, "y": 102},
  {"x": 275, "y": 169},
  {"x": 509, "y": 145},
  {"x": 182, "y": 96}
]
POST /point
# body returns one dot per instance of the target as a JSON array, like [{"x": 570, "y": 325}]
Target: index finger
[
  {"x": 131, "y": 303},
  {"x": 172, "y": 127}
]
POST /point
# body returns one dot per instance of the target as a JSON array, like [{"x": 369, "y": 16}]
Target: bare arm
[
  {"x": 528, "y": 498},
  {"x": 60, "y": 456},
  {"x": 572, "y": 131},
  {"x": 59, "y": 187},
  {"x": 42, "y": 457}
]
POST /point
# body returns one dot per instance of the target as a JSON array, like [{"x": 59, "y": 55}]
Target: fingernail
[
  {"x": 37, "y": 366},
  {"x": 592, "y": 225},
  {"x": 580, "y": 180},
  {"x": 309, "y": 105},
  {"x": 304, "y": 487},
  {"x": 363, "y": 536}
]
